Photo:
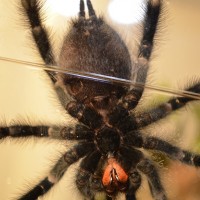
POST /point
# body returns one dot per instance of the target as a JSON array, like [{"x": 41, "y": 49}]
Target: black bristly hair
[{"x": 109, "y": 136}]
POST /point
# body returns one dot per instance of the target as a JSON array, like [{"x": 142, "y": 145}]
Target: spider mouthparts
[{"x": 114, "y": 177}]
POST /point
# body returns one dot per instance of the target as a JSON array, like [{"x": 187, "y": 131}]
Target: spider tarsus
[
  {"x": 40, "y": 189},
  {"x": 153, "y": 11}
]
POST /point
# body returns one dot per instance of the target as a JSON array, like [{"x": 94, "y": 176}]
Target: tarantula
[{"x": 108, "y": 134}]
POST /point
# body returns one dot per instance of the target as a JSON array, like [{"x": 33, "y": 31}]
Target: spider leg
[
  {"x": 126, "y": 122},
  {"x": 151, "y": 21},
  {"x": 79, "y": 132},
  {"x": 32, "y": 9},
  {"x": 133, "y": 160},
  {"x": 134, "y": 184},
  {"x": 85, "y": 114},
  {"x": 130, "y": 197},
  {"x": 131, "y": 99},
  {"x": 173, "y": 152},
  {"x": 136, "y": 139},
  {"x": 128, "y": 159},
  {"x": 70, "y": 157},
  {"x": 86, "y": 181},
  {"x": 146, "y": 118},
  {"x": 23, "y": 131},
  {"x": 147, "y": 168},
  {"x": 40, "y": 189}
]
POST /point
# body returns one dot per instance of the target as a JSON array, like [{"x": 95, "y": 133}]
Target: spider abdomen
[{"x": 92, "y": 46}]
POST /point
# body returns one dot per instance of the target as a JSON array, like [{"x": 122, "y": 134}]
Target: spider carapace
[{"x": 109, "y": 134}]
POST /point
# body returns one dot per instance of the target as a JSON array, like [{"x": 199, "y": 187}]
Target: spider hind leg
[
  {"x": 147, "y": 168},
  {"x": 86, "y": 181}
]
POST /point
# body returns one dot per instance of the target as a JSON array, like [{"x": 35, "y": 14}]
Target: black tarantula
[{"x": 108, "y": 134}]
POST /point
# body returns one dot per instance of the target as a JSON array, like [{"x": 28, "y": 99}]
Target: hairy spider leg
[
  {"x": 23, "y": 131},
  {"x": 130, "y": 100},
  {"x": 146, "y": 118},
  {"x": 135, "y": 121},
  {"x": 134, "y": 184},
  {"x": 173, "y": 152},
  {"x": 70, "y": 157},
  {"x": 151, "y": 21},
  {"x": 85, "y": 114},
  {"x": 146, "y": 48},
  {"x": 32, "y": 9},
  {"x": 79, "y": 132},
  {"x": 153, "y": 143},
  {"x": 150, "y": 25},
  {"x": 147, "y": 168},
  {"x": 38, "y": 190},
  {"x": 86, "y": 181}
]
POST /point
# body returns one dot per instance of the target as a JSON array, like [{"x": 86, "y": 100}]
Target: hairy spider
[{"x": 108, "y": 134}]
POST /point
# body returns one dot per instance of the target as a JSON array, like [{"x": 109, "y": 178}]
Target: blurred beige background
[{"x": 27, "y": 95}]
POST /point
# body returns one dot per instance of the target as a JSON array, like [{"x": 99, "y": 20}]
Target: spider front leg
[
  {"x": 152, "y": 15},
  {"x": 32, "y": 9},
  {"x": 131, "y": 99},
  {"x": 146, "y": 118},
  {"x": 126, "y": 122}
]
